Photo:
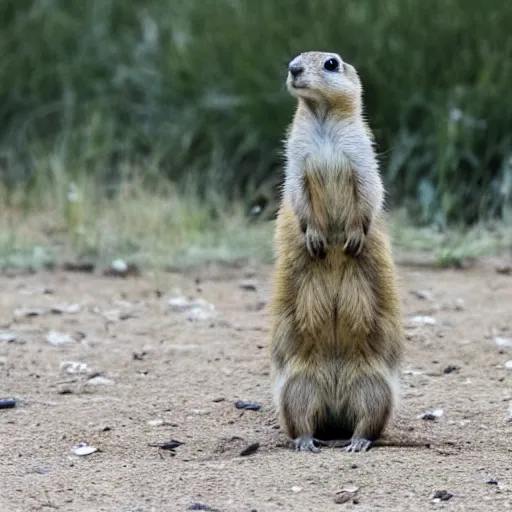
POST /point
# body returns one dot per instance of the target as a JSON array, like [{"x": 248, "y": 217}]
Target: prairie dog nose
[{"x": 295, "y": 70}]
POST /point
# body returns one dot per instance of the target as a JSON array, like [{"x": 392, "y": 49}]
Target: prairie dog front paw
[
  {"x": 354, "y": 241},
  {"x": 316, "y": 243}
]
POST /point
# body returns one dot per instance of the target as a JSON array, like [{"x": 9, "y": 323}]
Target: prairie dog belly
[
  {"x": 335, "y": 300},
  {"x": 331, "y": 193}
]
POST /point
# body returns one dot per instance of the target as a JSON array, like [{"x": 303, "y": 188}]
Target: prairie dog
[{"x": 337, "y": 333}]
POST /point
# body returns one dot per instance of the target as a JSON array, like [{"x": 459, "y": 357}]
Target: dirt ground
[{"x": 158, "y": 371}]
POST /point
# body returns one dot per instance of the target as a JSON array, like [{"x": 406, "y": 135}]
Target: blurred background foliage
[{"x": 193, "y": 91}]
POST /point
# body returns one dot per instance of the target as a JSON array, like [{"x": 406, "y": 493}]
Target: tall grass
[{"x": 192, "y": 90}]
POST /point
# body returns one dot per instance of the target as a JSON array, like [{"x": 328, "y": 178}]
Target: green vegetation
[{"x": 117, "y": 96}]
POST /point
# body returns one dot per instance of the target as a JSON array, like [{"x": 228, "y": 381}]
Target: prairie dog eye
[{"x": 331, "y": 65}]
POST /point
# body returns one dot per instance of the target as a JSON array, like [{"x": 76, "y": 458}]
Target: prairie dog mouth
[{"x": 296, "y": 83}]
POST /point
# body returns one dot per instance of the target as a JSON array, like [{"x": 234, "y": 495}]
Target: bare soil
[{"x": 170, "y": 377}]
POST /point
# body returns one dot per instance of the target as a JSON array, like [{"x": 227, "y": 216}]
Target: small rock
[
  {"x": 441, "y": 496},
  {"x": 139, "y": 356},
  {"x": 7, "y": 336},
  {"x": 41, "y": 470},
  {"x": 199, "y": 412},
  {"x": 204, "y": 508},
  {"x": 218, "y": 400},
  {"x": 58, "y": 338},
  {"x": 503, "y": 342},
  {"x": 179, "y": 303},
  {"x": 99, "y": 380},
  {"x": 155, "y": 423},
  {"x": 249, "y": 285},
  {"x": 422, "y": 320},
  {"x": 119, "y": 268},
  {"x": 296, "y": 488},
  {"x": 450, "y": 369},
  {"x": 423, "y": 294},
  {"x": 492, "y": 481},
  {"x": 8, "y": 403},
  {"x": 459, "y": 304},
  {"x": 504, "y": 270},
  {"x": 252, "y": 448},
  {"x": 198, "y": 309},
  {"x": 66, "y": 308},
  {"x": 250, "y": 406},
  {"x": 83, "y": 449},
  {"x": 345, "y": 495},
  {"x": 199, "y": 313},
  {"x": 78, "y": 267},
  {"x": 414, "y": 373},
  {"x": 28, "y": 312},
  {"x": 508, "y": 365},
  {"x": 431, "y": 415},
  {"x": 258, "y": 306},
  {"x": 74, "y": 367},
  {"x": 168, "y": 445}
]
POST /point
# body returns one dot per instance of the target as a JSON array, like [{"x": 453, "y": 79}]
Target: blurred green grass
[
  {"x": 167, "y": 227},
  {"x": 189, "y": 95}
]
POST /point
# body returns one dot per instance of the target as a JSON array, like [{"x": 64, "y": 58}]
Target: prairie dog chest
[
  {"x": 324, "y": 148},
  {"x": 320, "y": 145}
]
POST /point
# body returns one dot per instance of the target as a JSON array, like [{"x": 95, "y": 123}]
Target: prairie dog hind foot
[{"x": 306, "y": 444}]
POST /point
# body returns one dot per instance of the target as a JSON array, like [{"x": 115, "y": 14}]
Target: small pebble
[
  {"x": 99, "y": 380},
  {"x": 7, "y": 336},
  {"x": 248, "y": 284},
  {"x": 74, "y": 367},
  {"x": 8, "y": 403},
  {"x": 138, "y": 356},
  {"x": 346, "y": 495},
  {"x": 422, "y": 320},
  {"x": 250, "y": 406},
  {"x": 179, "y": 303},
  {"x": 252, "y": 448},
  {"x": 450, "y": 369},
  {"x": 504, "y": 270},
  {"x": 83, "y": 449},
  {"x": 503, "y": 342},
  {"x": 200, "y": 412},
  {"x": 119, "y": 266},
  {"x": 200, "y": 506},
  {"x": 66, "y": 308},
  {"x": 168, "y": 445},
  {"x": 27, "y": 312},
  {"x": 442, "y": 496},
  {"x": 423, "y": 294},
  {"x": 296, "y": 488},
  {"x": 58, "y": 338},
  {"x": 431, "y": 415}
]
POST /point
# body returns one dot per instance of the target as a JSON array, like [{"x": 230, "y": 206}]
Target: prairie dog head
[{"x": 324, "y": 78}]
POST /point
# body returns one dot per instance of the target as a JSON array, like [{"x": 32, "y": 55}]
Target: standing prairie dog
[{"x": 337, "y": 333}]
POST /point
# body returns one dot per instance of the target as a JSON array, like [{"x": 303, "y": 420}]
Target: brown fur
[{"x": 337, "y": 335}]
